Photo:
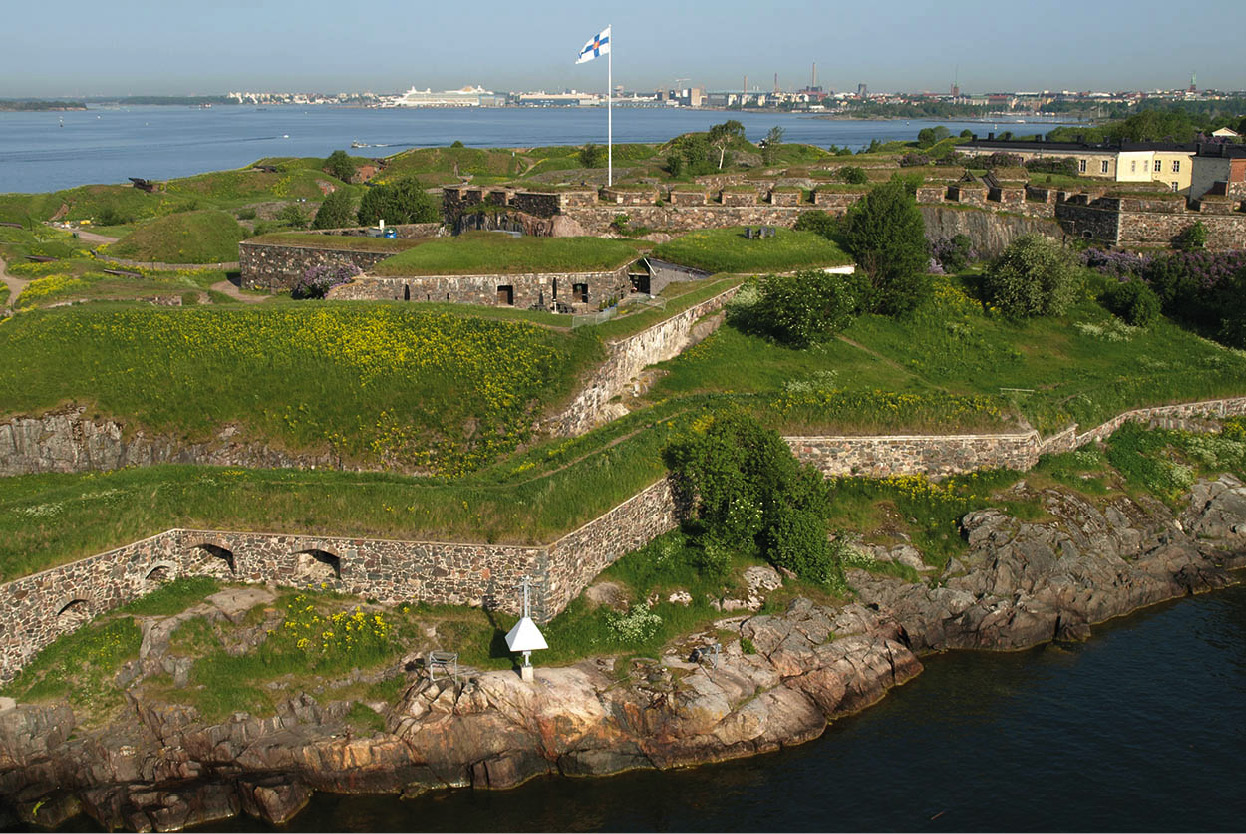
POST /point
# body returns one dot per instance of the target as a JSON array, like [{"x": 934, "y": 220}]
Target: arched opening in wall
[
  {"x": 160, "y": 573},
  {"x": 317, "y": 566},
  {"x": 213, "y": 560},
  {"x": 73, "y": 613},
  {"x": 406, "y": 292}
]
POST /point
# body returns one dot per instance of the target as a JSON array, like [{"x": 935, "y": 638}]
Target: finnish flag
[{"x": 596, "y": 47}]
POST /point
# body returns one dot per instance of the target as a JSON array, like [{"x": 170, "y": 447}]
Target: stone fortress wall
[{"x": 39, "y": 608}]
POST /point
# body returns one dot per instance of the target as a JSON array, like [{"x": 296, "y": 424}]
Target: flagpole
[{"x": 610, "y": 110}]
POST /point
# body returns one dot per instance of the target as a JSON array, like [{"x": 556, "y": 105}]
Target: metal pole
[{"x": 610, "y": 110}]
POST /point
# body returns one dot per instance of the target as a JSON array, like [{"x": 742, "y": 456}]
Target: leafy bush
[
  {"x": 1065, "y": 166},
  {"x": 318, "y": 280},
  {"x": 636, "y": 625},
  {"x": 953, "y": 254},
  {"x": 887, "y": 236},
  {"x": 675, "y": 164},
  {"x": 1196, "y": 287},
  {"x": 336, "y": 212},
  {"x": 404, "y": 201},
  {"x": 293, "y": 216},
  {"x": 928, "y": 136},
  {"x": 753, "y": 495},
  {"x": 592, "y": 156},
  {"x": 997, "y": 160},
  {"x": 1118, "y": 265},
  {"x": 1033, "y": 277},
  {"x": 1133, "y": 302},
  {"x": 914, "y": 160},
  {"x": 804, "y": 308},
  {"x": 245, "y": 214},
  {"x": 1192, "y": 238},
  {"x": 853, "y": 175},
  {"x": 818, "y": 222}
]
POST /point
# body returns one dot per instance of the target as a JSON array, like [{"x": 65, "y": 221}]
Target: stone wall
[
  {"x": 625, "y": 360},
  {"x": 931, "y": 455},
  {"x": 526, "y": 289},
  {"x": 989, "y": 231},
  {"x": 67, "y": 441},
  {"x": 1151, "y": 229},
  {"x": 39, "y": 608},
  {"x": 279, "y": 267}
]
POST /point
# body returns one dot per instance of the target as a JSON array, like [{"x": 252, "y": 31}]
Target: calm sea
[{"x": 49, "y": 151}]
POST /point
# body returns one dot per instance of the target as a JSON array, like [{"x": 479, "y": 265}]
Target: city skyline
[{"x": 145, "y": 49}]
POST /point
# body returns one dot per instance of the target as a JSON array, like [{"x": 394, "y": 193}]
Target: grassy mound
[
  {"x": 488, "y": 253},
  {"x": 354, "y": 243},
  {"x": 369, "y": 382},
  {"x": 196, "y": 237},
  {"x": 728, "y": 250}
]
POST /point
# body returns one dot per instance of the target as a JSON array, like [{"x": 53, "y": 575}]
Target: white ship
[{"x": 463, "y": 97}]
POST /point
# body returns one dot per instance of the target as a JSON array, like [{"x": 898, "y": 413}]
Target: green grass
[
  {"x": 192, "y": 237},
  {"x": 173, "y": 597},
  {"x": 377, "y": 383},
  {"x": 955, "y": 366},
  {"x": 680, "y": 296},
  {"x": 489, "y": 253},
  {"x": 82, "y": 281},
  {"x": 79, "y": 666},
  {"x": 727, "y": 250},
  {"x": 353, "y": 243}
]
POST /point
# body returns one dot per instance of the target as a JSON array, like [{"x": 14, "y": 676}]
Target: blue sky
[{"x": 73, "y": 47}]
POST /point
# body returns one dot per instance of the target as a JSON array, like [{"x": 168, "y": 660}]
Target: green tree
[
  {"x": 340, "y": 166},
  {"x": 675, "y": 164},
  {"x": 886, "y": 235},
  {"x": 293, "y": 216},
  {"x": 771, "y": 143},
  {"x": 695, "y": 150},
  {"x": 1192, "y": 237},
  {"x": 723, "y": 136},
  {"x": 336, "y": 212},
  {"x": 1133, "y": 302},
  {"x": 404, "y": 201},
  {"x": 1034, "y": 276},
  {"x": 928, "y": 136},
  {"x": 592, "y": 156}
]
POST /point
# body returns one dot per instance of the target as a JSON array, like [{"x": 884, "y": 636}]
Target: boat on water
[{"x": 358, "y": 144}]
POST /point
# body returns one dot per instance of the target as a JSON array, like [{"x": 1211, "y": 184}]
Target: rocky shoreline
[{"x": 778, "y": 681}]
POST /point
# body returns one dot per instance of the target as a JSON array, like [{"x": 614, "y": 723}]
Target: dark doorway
[
  {"x": 506, "y": 295},
  {"x": 579, "y": 292}
]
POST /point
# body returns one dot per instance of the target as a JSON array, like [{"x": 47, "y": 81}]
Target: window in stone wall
[
  {"x": 1103, "y": 167},
  {"x": 1175, "y": 186},
  {"x": 1133, "y": 166},
  {"x": 1081, "y": 166}
]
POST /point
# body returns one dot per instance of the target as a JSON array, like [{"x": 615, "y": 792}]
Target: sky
[{"x": 174, "y": 47}]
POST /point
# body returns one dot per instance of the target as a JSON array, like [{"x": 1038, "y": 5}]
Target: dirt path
[
  {"x": 15, "y": 284},
  {"x": 89, "y": 237},
  {"x": 231, "y": 289}
]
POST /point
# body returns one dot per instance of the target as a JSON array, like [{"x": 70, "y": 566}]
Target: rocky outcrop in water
[{"x": 1019, "y": 584}]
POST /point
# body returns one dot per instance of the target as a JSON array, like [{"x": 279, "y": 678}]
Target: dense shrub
[
  {"x": 404, "y": 201},
  {"x": 928, "y": 136},
  {"x": 1033, "y": 277},
  {"x": 336, "y": 212},
  {"x": 914, "y": 160},
  {"x": 887, "y": 236},
  {"x": 997, "y": 160},
  {"x": 1118, "y": 265},
  {"x": 1195, "y": 287},
  {"x": 801, "y": 309},
  {"x": 1133, "y": 302},
  {"x": 753, "y": 496},
  {"x": 853, "y": 175},
  {"x": 1065, "y": 165},
  {"x": 1192, "y": 238},
  {"x": 318, "y": 280},
  {"x": 592, "y": 156},
  {"x": 818, "y": 222},
  {"x": 953, "y": 254}
]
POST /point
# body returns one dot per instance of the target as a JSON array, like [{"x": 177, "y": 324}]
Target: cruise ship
[{"x": 464, "y": 97}]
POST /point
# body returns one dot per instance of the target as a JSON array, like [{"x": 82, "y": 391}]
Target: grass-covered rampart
[
  {"x": 728, "y": 250},
  {"x": 485, "y": 253},
  {"x": 374, "y": 383}
]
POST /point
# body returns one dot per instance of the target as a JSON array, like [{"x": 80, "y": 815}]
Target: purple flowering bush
[
  {"x": 1119, "y": 265},
  {"x": 952, "y": 254},
  {"x": 318, "y": 280},
  {"x": 1202, "y": 289}
]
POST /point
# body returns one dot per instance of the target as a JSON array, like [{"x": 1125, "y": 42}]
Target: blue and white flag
[{"x": 596, "y": 47}]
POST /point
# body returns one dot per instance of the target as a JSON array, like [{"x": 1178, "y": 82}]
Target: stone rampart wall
[
  {"x": 1149, "y": 229},
  {"x": 39, "y": 608},
  {"x": 931, "y": 455},
  {"x": 526, "y": 289},
  {"x": 279, "y": 267},
  {"x": 625, "y": 360}
]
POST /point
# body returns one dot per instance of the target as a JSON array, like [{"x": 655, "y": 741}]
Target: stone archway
[
  {"x": 160, "y": 573},
  {"x": 314, "y": 565},
  {"x": 73, "y": 612},
  {"x": 209, "y": 559}
]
